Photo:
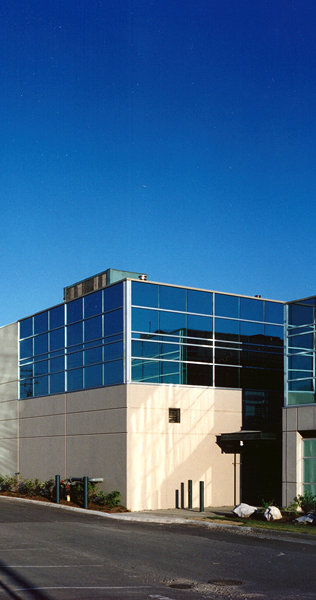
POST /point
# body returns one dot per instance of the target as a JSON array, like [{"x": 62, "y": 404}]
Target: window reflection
[
  {"x": 74, "y": 311},
  {"x": 41, "y": 322},
  {"x": 173, "y": 298},
  {"x": 226, "y": 306},
  {"x": 145, "y": 294},
  {"x": 200, "y": 302}
]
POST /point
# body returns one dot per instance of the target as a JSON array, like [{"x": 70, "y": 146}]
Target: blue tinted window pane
[
  {"x": 146, "y": 349},
  {"x": 172, "y": 351},
  {"x": 93, "y": 305},
  {"x": 226, "y": 306},
  {"x": 145, "y": 294},
  {"x": 41, "y": 368},
  {"x": 170, "y": 372},
  {"x": 200, "y": 326},
  {"x": 74, "y": 310},
  {"x": 26, "y": 348},
  {"x": 93, "y": 329},
  {"x": 300, "y": 314},
  {"x": 41, "y": 386},
  {"x": 93, "y": 376},
  {"x": 301, "y": 385},
  {"x": 275, "y": 332},
  {"x": 26, "y": 371},
  {"x": 113, "y": 297},
  {"x": 94, "y": 355},
  {"x": 112, "y": 351},
  {"x": 74, "y": 360},
  {"x": 301, "y": 361},
  {"x": 302, "y": 341},
  {"x": 173, "y": 322},
  {"x": 57, "y": 383},
  {"x": 251, "y": 309},
  {"x": 56, "y": 364},
  {"x": 173, "y": 298},
  {"x": 226, "y": 329},
  {"x": 74, "y": 334},
  {"x": 113, "y": 322},
  {"x": 147, "y": 371},
  {"x": 41, "y": 322},
  {"x": 113, "y": 372},
  {"x": 144, "y": 320},
  {"x": 251, "y": 331},
  {"x": 26, "y": 388},
  {"x": 74, "y": 380},
  {"x": 57, "y": 339},
  {"x": 274, "y": 313},
  {"x": 200, "y": 302},
  {"x": 26, "y": 328},
  {"x": 41, "y": 344},
  {"x": 57, "y": 317}
]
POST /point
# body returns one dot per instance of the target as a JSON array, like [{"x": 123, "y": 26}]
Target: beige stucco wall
[
  {"x": 297, "y": 422},
  {"x": 161, "y": 455},
  {"x": 8, "y": 399}
]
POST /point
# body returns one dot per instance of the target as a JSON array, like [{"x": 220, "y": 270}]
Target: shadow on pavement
[{"x": 17, "y": 586}]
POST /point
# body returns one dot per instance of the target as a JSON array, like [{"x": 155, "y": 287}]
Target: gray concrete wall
[
  {"x": 8, "y": 399},
  {"x": 298, "y": 421},
  {"x": 75, "y": 434}
]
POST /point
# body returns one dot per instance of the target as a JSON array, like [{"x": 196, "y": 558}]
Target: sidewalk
[{"x": 177, "y": 515}]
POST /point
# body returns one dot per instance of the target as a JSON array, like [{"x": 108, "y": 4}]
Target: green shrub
[
  {"x": 307, "y": 502},
  {"x": 110, "y": 499}
]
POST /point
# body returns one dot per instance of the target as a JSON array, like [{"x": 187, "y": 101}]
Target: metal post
[
  {"x": 57, "y": 488},
  {"x": 85, "y": 491},
  {"x": 182, "y": 495},
  {"x": 190, "y": 493},
  {"x": 177, "y": 498},
  {"x": 201, "y": 496}
]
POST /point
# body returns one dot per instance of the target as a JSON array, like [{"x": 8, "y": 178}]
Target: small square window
[{"x": 174, "y": 415}]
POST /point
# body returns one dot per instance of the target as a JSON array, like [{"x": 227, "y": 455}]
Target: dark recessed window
[{"x": 174, "y": 415}]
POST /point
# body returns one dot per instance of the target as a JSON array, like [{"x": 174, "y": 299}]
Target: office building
[{"x": 150, "y": 385}]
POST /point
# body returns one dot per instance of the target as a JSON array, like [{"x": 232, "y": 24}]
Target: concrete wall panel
[
  {"x": 97, "y": 399},
  {"x": 42, "y": 406},
  {"x": 291, "y": 419},
  {"x": 161, "y": 455},
  {"x": 306, "y": 418},
  {"x": 9, "y": 355},
  {"x": 8, "y": 455},
  {"x": 42, "y": 457},
  {"x": 99, "y": 456},
  {"x": 49, "y": 426},
  {"x": 96, "y": 422}
]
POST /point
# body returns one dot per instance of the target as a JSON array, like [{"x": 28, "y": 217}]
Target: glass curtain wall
[
  {"x": 73, "y": 346},
  {"x": 192, "y": 337},
  {"x": 300, "y": 342}
]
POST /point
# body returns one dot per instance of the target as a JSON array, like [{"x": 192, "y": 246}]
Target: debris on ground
[
  {"x": 305, "y": 520},
  {"x": 244, "y": 510},
  {"x": 272, "y": 513}
]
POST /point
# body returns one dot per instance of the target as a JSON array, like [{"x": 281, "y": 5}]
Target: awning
[{"x": 231, "y": 443}]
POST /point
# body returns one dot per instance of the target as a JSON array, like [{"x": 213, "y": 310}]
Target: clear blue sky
[{"x": 173, "y": 137}]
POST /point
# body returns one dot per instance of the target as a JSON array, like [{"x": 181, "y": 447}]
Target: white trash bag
[
  {"x": 244, "y": 510},
  {"x": 272, "y": 513}
]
